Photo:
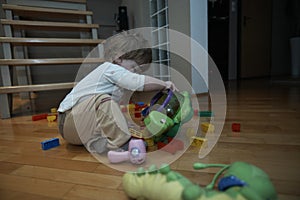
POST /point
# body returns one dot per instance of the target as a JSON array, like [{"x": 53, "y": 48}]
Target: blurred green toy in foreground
[{"x": 241, "y": 181}]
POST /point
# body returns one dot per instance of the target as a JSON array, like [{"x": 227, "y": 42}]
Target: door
[
  {"x": 255, "y": 60},
  {"x": 218, "y": 34}
]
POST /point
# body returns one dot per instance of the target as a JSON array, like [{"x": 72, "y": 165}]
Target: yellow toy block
[
  {"x": 51, "y": 118},
  {"x": 53, "y": 110},
  {"x": 136, "y": 133},
  {"x": 207, "y": 127},
  {"x": 197, "y": 143},
  {"x": 149, "y": 141},
  {"x": 131, "y": 107}
]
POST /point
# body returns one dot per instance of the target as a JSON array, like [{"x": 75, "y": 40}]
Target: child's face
[
  {"x": 128, "y": 64},
  {"x": 132, "y": 66}
]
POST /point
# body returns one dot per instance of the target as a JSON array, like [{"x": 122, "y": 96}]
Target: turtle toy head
[{"x": 166, "y": 109}]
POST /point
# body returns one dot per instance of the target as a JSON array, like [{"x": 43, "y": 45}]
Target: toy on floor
[
  {"x": 236, "y": 127},
  {"x": 39, "y": 117},
  {"x": 207, "y": 127},
  {"x": 163, "y": 118},
  {"x": 167, "y": 111},
  {"x": 240, "y": 181},
  {"x": 51, "y": 117},
  {"x": 51, "y": 143},
  {"x": 167, "y": 108},
  {"x": 136, "y": 153}
]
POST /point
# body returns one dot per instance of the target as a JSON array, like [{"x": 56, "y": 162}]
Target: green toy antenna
[{"x": 203, "y": 166}]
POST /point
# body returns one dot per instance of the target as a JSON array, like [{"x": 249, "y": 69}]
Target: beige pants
[{"x": 96, "y": 122}]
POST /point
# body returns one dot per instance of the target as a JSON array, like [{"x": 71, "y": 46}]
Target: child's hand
[{"x": 171, "y": 85}]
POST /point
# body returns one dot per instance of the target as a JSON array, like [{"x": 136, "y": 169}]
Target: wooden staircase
[{"x": 56, "y": 16}]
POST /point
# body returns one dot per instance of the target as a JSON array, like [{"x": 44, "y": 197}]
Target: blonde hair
[{"x": 129, "y": 46}]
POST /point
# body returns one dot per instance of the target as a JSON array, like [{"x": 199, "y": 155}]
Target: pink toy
[{"x": 136, "y": 153}]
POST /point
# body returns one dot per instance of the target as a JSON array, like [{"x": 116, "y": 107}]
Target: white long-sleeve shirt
[{"x": 107, "y": 78}]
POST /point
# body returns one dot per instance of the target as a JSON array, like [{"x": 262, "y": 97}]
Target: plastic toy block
[
  {"x": 140, "y": 103},
  {"x": 51, "y": 118},
  {"x": 236, "y": 127},
  {"x": 53, "y": 110},
  {"x": 137, "y": 115},
  {"x": 160, "y": 145},
  {"x": 152, "y": 148},
  {"x": 149, "y": 141},
  {"x": 131, "y": 107},
  {"x": 135, "y": 133},
  {"x": 206, "y": 114},
  {"x": 170, "y": 139},
  {"x": 207, "y": 127},
  {"x": 198, "y": 141},
  {"x": 51, "y": 143},
  {"x": 39, "y": 117}
]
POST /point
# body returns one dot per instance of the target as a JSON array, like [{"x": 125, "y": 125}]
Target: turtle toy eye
[{"x": 162, "y": 121}]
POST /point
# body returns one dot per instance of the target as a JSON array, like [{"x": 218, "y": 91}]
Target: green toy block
[{"x": 206, "y": 114}]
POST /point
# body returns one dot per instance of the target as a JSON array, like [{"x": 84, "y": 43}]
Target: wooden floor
[{"x": 270, "y": 138}]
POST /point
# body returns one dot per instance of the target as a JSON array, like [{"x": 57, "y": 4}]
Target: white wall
[
  {"x": 190, "y": 18},
  {"x": 180, "y": 13},
  {"x": 138, "y": 13},
  {"x": 199, "y": 33}
]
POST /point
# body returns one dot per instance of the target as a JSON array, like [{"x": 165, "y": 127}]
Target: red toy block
[
  {"x": 39, "y": 117},
  {"x": 137, "y": 115},
  {"x": 236, "y": 127},
  {"x": 170, "y": 139},
  {"x": 160, "y": 145}
]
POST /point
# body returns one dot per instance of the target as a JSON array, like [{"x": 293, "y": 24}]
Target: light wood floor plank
[
  {"x": 34, "y": 186},
  {"x": 69, "y": 176},
  {"x": 269, "y": 115},
  {"x": 7, "y": 168},
  {"x": 16, "y": 195},
  {"x": 53, "y": 163},
  {"x": 80, "y": 192}
]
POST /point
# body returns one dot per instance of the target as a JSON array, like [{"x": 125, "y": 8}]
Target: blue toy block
[{"x": 51, "y": 143}]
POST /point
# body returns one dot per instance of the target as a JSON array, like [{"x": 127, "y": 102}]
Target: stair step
[
  {"x": 72, "y": 1},
  {"x": 38, "y": 10},
  {"x": 50, "y": 41},
  {"x": 25, "y": 24},
  {"x": 35, "y": 88},
  {"x": 48, "y": 61}
]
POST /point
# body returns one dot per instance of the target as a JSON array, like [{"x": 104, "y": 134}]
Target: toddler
[{"x": 90, "y": 114}]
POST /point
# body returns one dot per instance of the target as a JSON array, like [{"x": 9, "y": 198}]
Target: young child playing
[{"x": 90, "y": 113}]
